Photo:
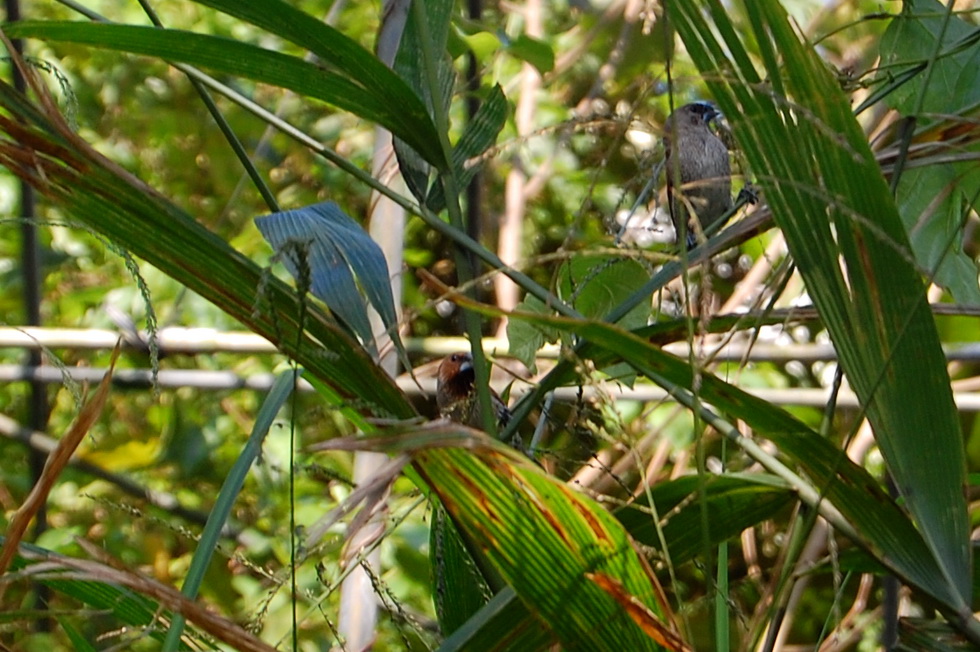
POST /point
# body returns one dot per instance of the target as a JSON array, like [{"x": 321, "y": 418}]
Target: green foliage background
[{"x": 145, "y": 116}]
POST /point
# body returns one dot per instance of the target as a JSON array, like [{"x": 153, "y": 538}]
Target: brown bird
[
  {"x": 698, "y": 159},
  {"x": 456, "y": 396}
]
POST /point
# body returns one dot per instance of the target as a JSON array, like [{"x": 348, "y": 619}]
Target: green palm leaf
[{"x": 829, "y": 197}]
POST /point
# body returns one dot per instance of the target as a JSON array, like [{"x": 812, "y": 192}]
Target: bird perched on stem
[
  {"x": 457, "y": 397},
  {"x": 699, "y": 182}
]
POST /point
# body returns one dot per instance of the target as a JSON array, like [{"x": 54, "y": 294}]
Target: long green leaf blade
[
  {"x": 878, "y": 520},
  {"x": 282, "y": 388},
  {"x": 231, "y": 57},
  {"x": 97, "y": 193},
  {"x": 570, "y": 561},
  {"x": 830, "y": 199},
  {"x": 734, "y": 503},
  {"x": 346, "y": 55}
]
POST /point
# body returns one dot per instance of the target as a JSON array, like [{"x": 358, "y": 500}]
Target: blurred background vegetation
[{"x": 583, "y": 153}]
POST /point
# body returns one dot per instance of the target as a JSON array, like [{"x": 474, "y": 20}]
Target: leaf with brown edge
[
  {"x": 640, "y": 613},
  {"x": 46, "y": 567},
  {"x": 544, "y": 538}
]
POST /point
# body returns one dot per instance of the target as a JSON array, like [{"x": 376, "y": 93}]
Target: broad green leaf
[
  {"x": 342, "y": 52},
  {"x": 734, "y": 502},
  {"x": 504, "y": 623},
  {"x": 410, "y": 66},
  {"x": 459, "y": 586},
  {"x": 480, "y": 42},
  {"x": 131, "y": 609},
  {"x": 480, "y": 133},
  {"x": 568, "y": 559},
  {"x": 910, "y": 40},
  {"x": 931, "y": 199},
  {"x": 525, "y": 338},
  {"x": 882, "y": 526},
  {"x": 934, "y": 212},
  {"x": 922, "y": 635},
  {"x": 232, "y": 57},
  {"x": 534, "y": 51},
  {"x": 578, "y": 553},
  {"x": 595, "y": 285}
]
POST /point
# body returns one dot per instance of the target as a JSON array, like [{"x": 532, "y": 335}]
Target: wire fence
[{"x": 202, "y": 341}]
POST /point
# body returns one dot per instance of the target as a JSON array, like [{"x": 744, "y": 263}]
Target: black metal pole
[{"x": 30, "y": 260}]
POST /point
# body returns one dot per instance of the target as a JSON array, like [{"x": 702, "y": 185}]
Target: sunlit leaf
[
  {"x": 534, "y": 51},
  {"x": 232, "y": 57},
  {"x": 346, "y": 55},
  {"x": 568, "y": 559}
]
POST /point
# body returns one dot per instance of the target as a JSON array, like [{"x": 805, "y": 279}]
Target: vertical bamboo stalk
[
  {"x": 512, "y": 221},
  {"x": 358, "y": 617}
]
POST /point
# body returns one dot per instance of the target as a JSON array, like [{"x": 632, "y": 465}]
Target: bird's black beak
[
  {"x": 712, "y": 114},
  {"x": 707, "y": 111}
]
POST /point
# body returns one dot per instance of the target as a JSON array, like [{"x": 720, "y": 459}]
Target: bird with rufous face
[
  {"x": 699, "y": 183},
  {"x": 456, "y": 395}
]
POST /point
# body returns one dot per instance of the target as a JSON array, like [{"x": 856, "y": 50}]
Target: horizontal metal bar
[
  {"x": 226, "y": 380},
  {"x": 190, "y": 341}
]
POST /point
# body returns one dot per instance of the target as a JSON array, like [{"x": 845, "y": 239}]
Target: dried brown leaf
[{"x": 55, "y": 464}]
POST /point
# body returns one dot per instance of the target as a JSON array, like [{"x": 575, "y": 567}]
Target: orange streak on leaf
[
  {"x": 597, "y": 528},
  {"x": 640, "y": 613},
  {"x": 453, "y": 507}
]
